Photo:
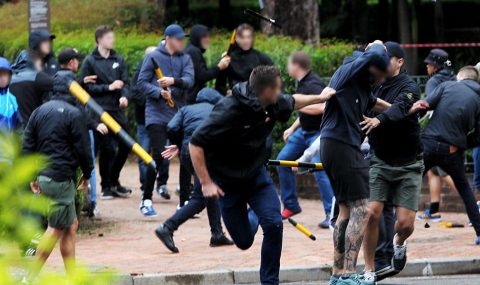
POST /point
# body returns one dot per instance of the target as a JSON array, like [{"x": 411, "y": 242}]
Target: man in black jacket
[
  {"x": 397, "y": 165},
  {"x": 242, "y": 122},
  {"x": 196, "y": 47},
  {"x": 243, "y": 59},
  {"x": 455, "y": 120},
  {"x": 298, "y": 137},
  {"x": 57, "y": 130},
  {"x": 111, "y": 91}
]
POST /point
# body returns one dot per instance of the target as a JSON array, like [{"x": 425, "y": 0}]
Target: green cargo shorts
[
  {"x": 61, "y": 209},
  {"x": 399, "y": 184}
]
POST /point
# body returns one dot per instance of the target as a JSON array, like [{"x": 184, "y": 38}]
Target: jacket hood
[
  {"x": 204, "y": 96},
  {"x": 36, "y": 37},
  {"x": 161, "y": 48},
  {"x": 242, "y": 93},
  {"x": 472, "y": 84},
  {"x": 197, "y": 32},
  {"x": 61, "y": 90},
  {"x": 22, "y": 62},
  {"x": 5, "y": 65},
  {"x": 444, "y": 73}
]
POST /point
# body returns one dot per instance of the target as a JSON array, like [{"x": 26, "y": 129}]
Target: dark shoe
[
  {"x": 386, "y": 272},
  {"x": 163, "y": 192},
  {"x": 107, "y": 194},
  {"x": 121, "y": 191},
  {"x": 166, "y": 237},
  {"x": 325, "y": 224},
  {"x": 220, "y": 240}
]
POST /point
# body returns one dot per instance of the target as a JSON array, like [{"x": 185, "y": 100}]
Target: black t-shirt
[{"x": 311, "y": 84}]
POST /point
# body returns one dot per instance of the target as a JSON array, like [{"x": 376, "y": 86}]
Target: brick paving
[{"x": 123, "y": 240}]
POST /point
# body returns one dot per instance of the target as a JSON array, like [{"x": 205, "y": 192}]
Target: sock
[{"x": 434, "y": 207}]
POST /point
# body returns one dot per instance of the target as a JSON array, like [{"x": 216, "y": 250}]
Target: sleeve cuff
[
  {"x": 178, "y": 82},
  {"x": 382, "y": 118}
]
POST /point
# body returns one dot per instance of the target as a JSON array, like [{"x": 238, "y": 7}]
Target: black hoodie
[
  {"x": 234, "y": 135},
  {"x": 50, "y": 64},
  {"x": 203, "y": 74},
  {"x": 241, "y": 65},
  {"x": 397, "y": 139}
]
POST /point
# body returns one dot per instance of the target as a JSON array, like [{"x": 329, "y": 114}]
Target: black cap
[
  {"x": 394, "y": 50},
  {"x": 68, "y": 54},
  {"x": 437, "y": 57}
]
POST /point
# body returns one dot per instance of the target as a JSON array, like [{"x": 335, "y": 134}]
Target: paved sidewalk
[{"x": 124, "y": 239}]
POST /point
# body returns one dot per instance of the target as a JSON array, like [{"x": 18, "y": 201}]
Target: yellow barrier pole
[
  {"x": 159, "y": 74},
  {"x": 302, "y": 229},
  {"x": 288, "y": 163}
]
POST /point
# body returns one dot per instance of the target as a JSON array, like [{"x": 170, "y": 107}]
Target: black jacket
[
  {"x": 397, "y": 139},
  {"x": 241, "y": 65},
  {"x": 456, "y": 112},
  {"x": 57, "y": 130},
  {"x": 138, "y": 97},
  {"x": 203, "y": 74},
  {"x": 309, "y": 85},
  {"x": 107, "y": 71},
  {"x": 234, "y": 135},
  {"x": 440, "y": 76},
  {"x": 31, "y": 88}
]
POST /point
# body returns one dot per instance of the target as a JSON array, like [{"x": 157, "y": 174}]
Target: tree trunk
[
  {"x": 438, "y": 22},
  {"x": 161, "y": 7},
  {"x": 225, "y": 13},
  {"x": 299, "y": 19},
  {"x": 358, "y": 10},
  {"x": 405, "y": 32}
]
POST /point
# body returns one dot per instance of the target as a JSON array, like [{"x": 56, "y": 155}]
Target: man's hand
[
  {"x": 101, "y": 128},
  {"x": 369, "y": 124},
  {"x": 287, "y": 133},
  {"x": 419, "y": 105},
  {"x": 211, "y": 190},
  {"x": 328, "y": 93},
  {"x": 90, "y": 79},
  {"x": 123, "y": 102},
  {"x": 170, "y": 152},
  {"x": 116, "y": 85},
  {"x": 224, "y": 63},
  {"x": 35, "y": 187},
  {"x": 166, "y": 81},
  {"x": 166, "y": 94}
]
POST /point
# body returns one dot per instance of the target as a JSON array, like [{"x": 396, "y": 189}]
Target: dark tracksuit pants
[
  {"x": 158, "y": 140},
  {"x": 196, "y": 203},
  {"x": 386, "y": 232},
  {"x": 260, "y": 195},
  {"x": 438, "y": 154},
  {"x": 112, "y": 152}
]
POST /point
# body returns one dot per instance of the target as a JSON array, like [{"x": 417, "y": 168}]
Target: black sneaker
[
  {"x": 163, "y": 192},
  {"x": 121, "y": 191},
  {"x": 325, "y": 224},
  {"x": 220, "y": 240},
  {"x": 107, "y": 194},
  {"x": 166, "y": 237}
]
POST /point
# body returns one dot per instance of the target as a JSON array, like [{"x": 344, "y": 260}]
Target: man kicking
[
  {"x": 229, "y": 151},
  {"x": 396, "y": 165},
  {"x": 341, "y": 137}
]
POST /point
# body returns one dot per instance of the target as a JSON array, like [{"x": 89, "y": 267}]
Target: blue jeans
[
  {"x": 476, "y": 168},
  {"x": 93, "y": 175},
  {"x": 259, "y": 193},
  {"x": 297, "y": 143}
]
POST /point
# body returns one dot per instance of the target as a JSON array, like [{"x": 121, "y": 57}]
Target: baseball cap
[
  {"x": 68, "y": 54},
  {"x": 175, "y": 31},
  {"x": 394, "y": 50}
]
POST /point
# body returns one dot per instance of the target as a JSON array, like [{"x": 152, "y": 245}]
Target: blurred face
[
  {"x": 45, "y": 47},
  {"x": 431, "y": 69},
  {"x": 175, "y": 44},
  {"x": 270, "y": 94},
  {"x": 205, "y": 42},
  {"x": 73, "y": 65},
  {"x": 4, "y": 78},
  {"x": 395, "y": 66},
  {"x": 378, "y": 76},
  {"x": 245, "y": 39},
  {"x": 107, "y": 41},
  {"x": 292, "y": 68}
]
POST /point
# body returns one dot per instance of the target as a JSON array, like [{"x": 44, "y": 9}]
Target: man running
[{"x": 229, "y": 151}]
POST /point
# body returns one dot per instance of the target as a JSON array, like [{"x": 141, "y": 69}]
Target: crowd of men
[{"x": 363, "y": 126}]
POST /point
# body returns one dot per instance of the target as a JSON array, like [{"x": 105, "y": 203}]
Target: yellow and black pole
[
  {"x": 232, "y": 42},
  {"x": 288, "y": 163},
  {"x": 302, "y": 229},
  {"x": 114, "y": 127},
  {"x": 159, "y": 74}
]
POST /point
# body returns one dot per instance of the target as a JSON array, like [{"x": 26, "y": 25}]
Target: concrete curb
[{"x": 415, "y": 268}]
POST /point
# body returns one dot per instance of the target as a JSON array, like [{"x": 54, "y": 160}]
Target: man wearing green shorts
[
  {"x": 58, "y": 131},
  {"x": 397, "y": 164}
]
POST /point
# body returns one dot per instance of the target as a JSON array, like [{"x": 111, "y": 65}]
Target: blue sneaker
[
  {"x": 477, "y": 241},
  {"x": 333, "y": 280},
  {"x": 427, "y": 216},
  {"x": 146, "y": 207},
  {"x": 348, "y": 279}
]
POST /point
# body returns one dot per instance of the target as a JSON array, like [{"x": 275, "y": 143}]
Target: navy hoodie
[{"x": 440, "y": 76}]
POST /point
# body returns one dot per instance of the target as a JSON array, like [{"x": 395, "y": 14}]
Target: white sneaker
[
  {"x": 146, "y": 207},
  {"x": 399, "y": 259}
]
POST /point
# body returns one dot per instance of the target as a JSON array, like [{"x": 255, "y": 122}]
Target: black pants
[
  {"x": 386, "y": 232},
  {"x": 112, "y": 153},
  {"x": 158, "y": 140},
  {"x": 185, "y": 184},
  {"x": 438, "y": 154}
]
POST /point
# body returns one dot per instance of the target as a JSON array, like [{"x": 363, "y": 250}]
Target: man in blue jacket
[
  {"x": 341, "y": 137},
  {"x": 178, "y": 78}
]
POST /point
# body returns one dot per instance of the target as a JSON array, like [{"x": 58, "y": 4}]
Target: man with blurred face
[
  {"x": 178, "y": 78},
  {"x": 110, "y": 90},
  {"x": 341, "y": 137},
  {"x": 41, "y": 42},
  {"x": 242, "y": 122},
  {"x": 397, "y": 163}
]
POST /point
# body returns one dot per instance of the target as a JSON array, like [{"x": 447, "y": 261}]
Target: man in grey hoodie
[{"x": 178, "y": 78}]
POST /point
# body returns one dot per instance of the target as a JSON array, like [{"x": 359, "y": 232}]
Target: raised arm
[{"x": 302, "y": 101}]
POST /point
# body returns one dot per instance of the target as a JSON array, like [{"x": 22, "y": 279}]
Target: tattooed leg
[
  {"x": 354, "y": 233},
  {"x": 339, "y": 240}
]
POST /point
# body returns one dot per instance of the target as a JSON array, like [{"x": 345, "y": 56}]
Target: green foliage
[{"x": 16, "y": 226}]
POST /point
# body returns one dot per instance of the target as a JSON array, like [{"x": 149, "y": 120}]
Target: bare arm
[
  {"x": 381, "y": 105},
  {"x": 209, "y": 189},
  {"x": 314, "y": 110},
  {"x": 306, "y": 100}
]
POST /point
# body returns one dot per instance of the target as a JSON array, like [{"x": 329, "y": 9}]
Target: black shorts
[{"x": 347, "y": 170}]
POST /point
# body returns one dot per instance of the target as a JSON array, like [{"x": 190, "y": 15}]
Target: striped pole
[
  {"x": 288, "y": 163},
  {"x": 159, "y": 74},
  {"x": 302, "y": 229},
  {"x": 105, "y": 117}
]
